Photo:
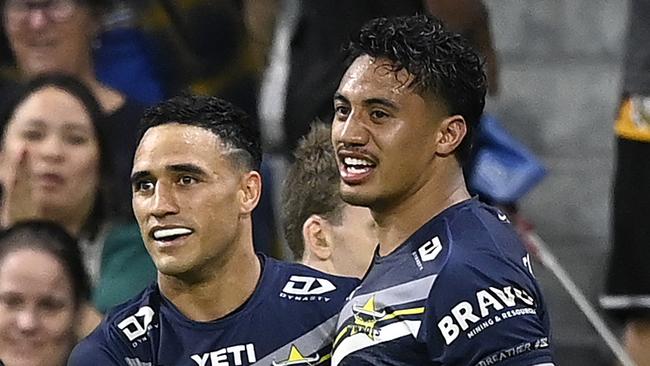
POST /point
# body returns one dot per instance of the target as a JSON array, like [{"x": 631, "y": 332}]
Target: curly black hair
[
  {"x": 232, "y": 125},
  {"x": 442, "y": 63}
]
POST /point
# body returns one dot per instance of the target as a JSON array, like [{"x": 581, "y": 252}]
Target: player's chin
[
  {"x": 356, "y": 195},
  {"x": 171, "y": 266}
]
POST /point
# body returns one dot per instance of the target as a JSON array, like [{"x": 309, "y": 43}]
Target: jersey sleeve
[
  {"x": 486, "y": 312},
  {"x": 93, "y": 351}
]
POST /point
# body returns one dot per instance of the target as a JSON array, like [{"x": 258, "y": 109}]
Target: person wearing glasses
[{"x": 58, "y": 36}]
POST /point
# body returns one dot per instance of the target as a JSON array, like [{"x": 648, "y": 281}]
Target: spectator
[
  {"x": 627, "y": 291},
  {"x": 54, "y": 166},
  {"x": 321, "y": 230},
  {"x": 58, "y": 36},
  {"x": 43, "y": 291}
]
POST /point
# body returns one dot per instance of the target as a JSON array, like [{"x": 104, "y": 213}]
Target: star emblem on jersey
[
  {"x": 366, "y": 317},
  {"x": 296, "y": 358}
]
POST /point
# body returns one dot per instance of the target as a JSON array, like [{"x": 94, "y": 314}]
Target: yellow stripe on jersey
[
  {"x": 324, "y": 358},
  {"x": 396, "y": 313}
]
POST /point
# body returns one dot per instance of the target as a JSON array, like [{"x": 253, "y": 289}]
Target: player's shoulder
[
  {"x": 486, "y": 262},
  {"x": 469, "y": 233},
  {"x": 147, "y": 298},
  {"x": 479, "y": 227},
  {"x": 477, "y": 235},
  {"x": 472, "y": 247},
  {"x": 131, "y": 320},
  {"x": 299, "y": 286},
  {"x": 125, "y": 323},
  {"x": 295, "y": 283}
]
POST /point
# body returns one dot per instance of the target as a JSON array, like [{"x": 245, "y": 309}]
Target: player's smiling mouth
[
  {"x": 354, "y": 167},
  {"x": 169, "y": 234},
  {"x": 357, "y": 166}
]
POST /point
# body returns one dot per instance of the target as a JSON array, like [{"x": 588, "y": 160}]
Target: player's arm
[{"x": 494, "y": 317}]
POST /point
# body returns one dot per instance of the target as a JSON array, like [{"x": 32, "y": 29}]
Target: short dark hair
[
  {"x": 50, "y": 238},
  {"x": 443, "y": 64},
  {"x": 311, "y": 186},
  {"x": 102, "y": 208},
  {"x": 222, "y": 118}
]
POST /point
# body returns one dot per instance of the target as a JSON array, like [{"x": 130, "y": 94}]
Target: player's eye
[
  {"x": 187, "y": 180},
  {"x": 143, "y": 186},
  {"x": 341, "y": 111},
  {"x": 378, "y": 114}
]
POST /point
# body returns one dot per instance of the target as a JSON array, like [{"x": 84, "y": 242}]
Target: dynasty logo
[
  {"x": 296, "y": 358},
  {"x": 304, "y": 288}
]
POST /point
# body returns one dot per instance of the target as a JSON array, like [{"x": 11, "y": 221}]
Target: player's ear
[
  {"x": 451, "y": 133},
  {"x": 315, "y": 238},
  {"x": 250, "y": 191}
]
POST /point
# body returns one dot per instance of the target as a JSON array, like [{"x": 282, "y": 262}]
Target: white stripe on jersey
[
  {"x": 360, "y": 341},
  {"x": 136, "y": 362}
]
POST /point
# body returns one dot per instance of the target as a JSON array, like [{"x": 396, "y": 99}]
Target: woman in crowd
[
  {"x": 43, "y": 292},
  {"x": 58, "y": 36},
  {"x": 54, "y": 165}
]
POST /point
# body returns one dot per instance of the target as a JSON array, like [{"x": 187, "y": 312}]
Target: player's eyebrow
[
  {"x": 174, "y": 168},
  {"x": 338, "y": 96},
  {"x": 186, "y": 168},
  {"x": 381, "y": 101},
  {"x": 368, "y": 102},
  {"x": 139, "y": 175}
]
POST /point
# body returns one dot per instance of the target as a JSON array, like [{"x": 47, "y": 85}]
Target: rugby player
[
  {"x": 451, "y": 283},
  {"x": 195, "y": 184}
]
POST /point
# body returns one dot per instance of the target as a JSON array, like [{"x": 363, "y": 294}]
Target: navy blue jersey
[
  {"x": 459, "y": 291},
  {"x": 291, "y": 317}
]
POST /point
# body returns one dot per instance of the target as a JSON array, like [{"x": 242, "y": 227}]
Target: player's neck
[
  {"x": 397, "y": 223},
  {"x": 226, "y": 288},
  {"x": 321, "y": 265}
]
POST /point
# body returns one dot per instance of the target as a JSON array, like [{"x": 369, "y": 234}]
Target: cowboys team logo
[
  {"x": 366, "y": 317},
  {"x": 296, "y": 358}
]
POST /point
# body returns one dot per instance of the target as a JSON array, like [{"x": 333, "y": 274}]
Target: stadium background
[
  {"x": 560, "y": 78},
  {"x": 560, "y": 75}
]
